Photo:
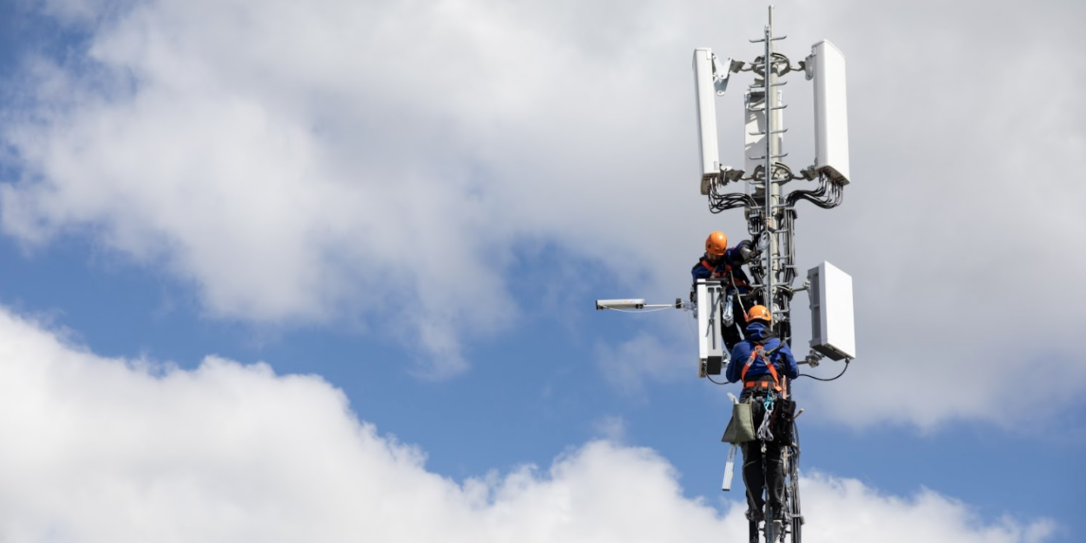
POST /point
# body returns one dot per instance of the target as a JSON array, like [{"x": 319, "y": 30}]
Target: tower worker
[
  {"x": 720, "y": 262},
  {"x": 759, "y": 362}
]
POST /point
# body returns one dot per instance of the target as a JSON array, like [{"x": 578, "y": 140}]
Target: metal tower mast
[
  {"x": 771, "y": 190},
  {"x": 775, "y": 273}
]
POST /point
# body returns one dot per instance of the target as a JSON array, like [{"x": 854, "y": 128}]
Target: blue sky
[{"x": 416, "y": 203}]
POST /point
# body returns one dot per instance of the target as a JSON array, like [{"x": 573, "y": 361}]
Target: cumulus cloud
[
  {"x": 120, "y": 450},
  {"x": 642, "y": 358},
  {"x": 611, "y": 428},
  {"x": 387, "y": 160},
  {"x": 952, "y": 234}
]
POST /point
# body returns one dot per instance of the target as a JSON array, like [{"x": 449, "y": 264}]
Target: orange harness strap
[
  {"x": 727, "y": 273},
  {"x": 759, "y": 351}
]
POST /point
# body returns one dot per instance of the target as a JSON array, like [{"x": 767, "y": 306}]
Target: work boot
[{"x": 755, "y": 515}]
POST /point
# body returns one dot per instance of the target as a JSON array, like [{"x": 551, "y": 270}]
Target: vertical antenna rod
[{"x": 769, "y": 79}]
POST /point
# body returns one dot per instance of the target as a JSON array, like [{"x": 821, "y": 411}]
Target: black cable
[
  {"x": 827, "y": 195},
  {"x": 719, "y": 202},
  {"x": 722, "y": 202},
  {"x": 831, "y": 378},
  {"x": 716, "y": 382}
]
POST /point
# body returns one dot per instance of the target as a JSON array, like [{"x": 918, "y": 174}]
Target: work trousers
[{"x": 753, "y": 477}]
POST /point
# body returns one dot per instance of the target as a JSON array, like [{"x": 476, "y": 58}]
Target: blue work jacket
[
  {"x": 781, "y": 358},
  {"x": 731, "y": 259}
]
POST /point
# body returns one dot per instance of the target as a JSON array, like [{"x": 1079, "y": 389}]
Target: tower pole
[{"x": 771, "y": 191}]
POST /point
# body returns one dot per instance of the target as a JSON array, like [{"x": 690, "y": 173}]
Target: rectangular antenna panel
[
  {"x": 710, "y": 344},
  {"x": 831, "y": 111},
  {"x": 705, "y": 96},
  {"x": 833, "y": 331}
]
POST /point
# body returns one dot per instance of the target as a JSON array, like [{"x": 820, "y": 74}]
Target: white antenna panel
[
  {"x": 710, "y": 345},
  {"x": 826, "y": 66},
  {"x": 833, "y": 329},
  {"x": 705, "y": 94}
]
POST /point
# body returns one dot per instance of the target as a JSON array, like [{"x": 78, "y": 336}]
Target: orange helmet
[
  {"x": 759, "y": 312},
  {"x": 716, "y": 244}
]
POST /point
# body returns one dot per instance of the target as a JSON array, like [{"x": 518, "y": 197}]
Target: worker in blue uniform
[
  {"x": 720, "y": 262},
  {"x": 760, "y": 362}
]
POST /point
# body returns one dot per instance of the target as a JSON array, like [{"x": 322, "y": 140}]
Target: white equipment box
[
  {"x": 827, "y": 68},
  {"x": 710, "y": 343},
  {"x": 833, "y": 331}
]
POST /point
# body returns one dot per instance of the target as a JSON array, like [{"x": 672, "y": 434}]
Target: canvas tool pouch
[{"x": 741, "y": 427}]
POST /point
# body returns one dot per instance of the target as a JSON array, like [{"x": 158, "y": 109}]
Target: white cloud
[
  {"x": 612, "y": 428},
  {"x": 643, "y": 357},
  {"x": 117, "y": 450},
  {"x": 862, "y": 513},
  {"x": 385, "y": 161},
  {"x": 957, "y": 246}
]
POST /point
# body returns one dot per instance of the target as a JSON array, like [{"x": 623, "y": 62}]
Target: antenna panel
[
  {"x": 827, "y": 65},
  {"x": 710, "y": 344},
  {"x": 833, "y": 331},
  {"x": 705, "y": 94}
]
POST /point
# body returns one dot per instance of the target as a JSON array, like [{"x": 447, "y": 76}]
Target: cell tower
[
  {"x": 771, "y": 215},
  {"x": 771, "y": 222}
]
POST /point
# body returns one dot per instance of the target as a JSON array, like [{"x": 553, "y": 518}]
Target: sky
[{"x": 278, "y": 271}]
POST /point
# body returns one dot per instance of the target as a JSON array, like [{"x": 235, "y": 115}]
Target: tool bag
[
  {"x": 741, "y": 427},
  {"x": 781, "y": 423}
]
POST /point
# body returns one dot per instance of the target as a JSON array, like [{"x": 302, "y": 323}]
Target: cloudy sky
[{"x": 324, "y": 271}]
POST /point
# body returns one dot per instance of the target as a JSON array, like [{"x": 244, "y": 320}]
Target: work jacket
[
  {"x": 781, "y": 358},
  {"x": 731, "y": 261}
]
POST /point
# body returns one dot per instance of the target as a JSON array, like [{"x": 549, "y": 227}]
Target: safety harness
[
  {"x": 770, "y": 424},
  {"x": 760, "y": 352},
  {"x": 727, "y": 273}
]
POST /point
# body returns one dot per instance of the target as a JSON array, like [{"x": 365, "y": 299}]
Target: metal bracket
[
  {"x": 813, "y": 359},
  {"x": 720, "y": 82}
]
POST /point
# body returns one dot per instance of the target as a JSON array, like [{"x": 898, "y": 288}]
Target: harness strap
[
  {"x": 731, "y": 276},
  {"x": 727, "y": 273},
  {"x": 759, "y": 351}
]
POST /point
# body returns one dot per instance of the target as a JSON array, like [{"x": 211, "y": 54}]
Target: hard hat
[
  {"x": 716, "y": 244},
  {"x": 759, "y": 312}
]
